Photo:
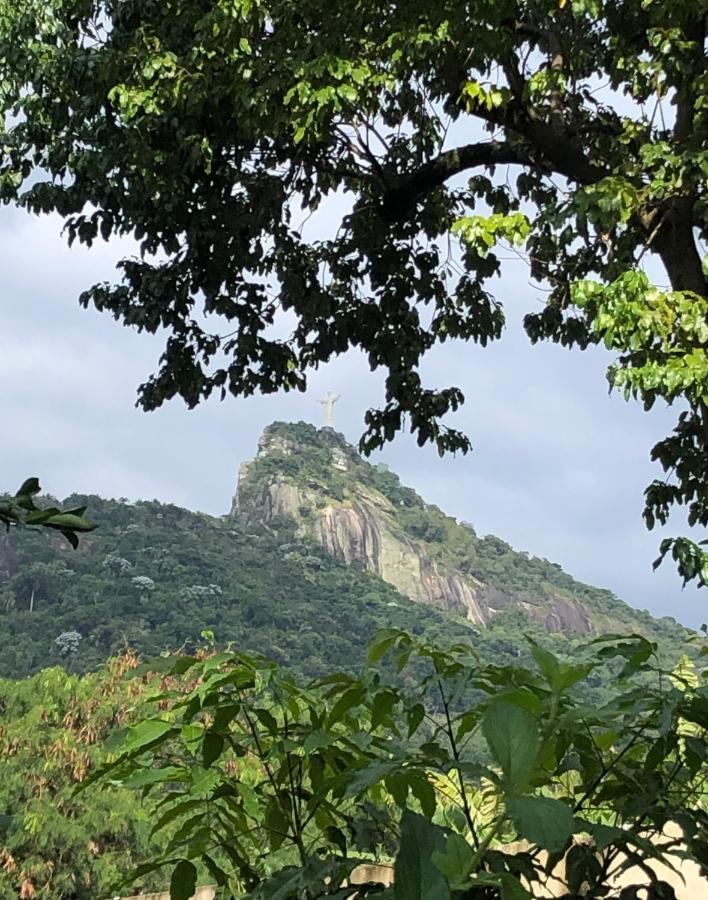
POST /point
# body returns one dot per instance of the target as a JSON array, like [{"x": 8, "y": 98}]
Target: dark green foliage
[
  {"x": 21, "y": 511},
  {"x": 282, "y": 789}
]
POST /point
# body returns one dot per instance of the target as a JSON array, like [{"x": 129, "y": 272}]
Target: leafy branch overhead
[
  {"x": 211, "y": 131},
  {"x": 21, "y": 511}
]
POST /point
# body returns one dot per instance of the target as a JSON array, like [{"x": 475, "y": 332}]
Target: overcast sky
[{"x": 558, "y": 467}]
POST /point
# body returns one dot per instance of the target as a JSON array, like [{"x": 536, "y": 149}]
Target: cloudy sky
[{"x": 558, "y": 467}]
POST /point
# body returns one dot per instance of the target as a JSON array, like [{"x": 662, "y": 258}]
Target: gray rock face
[
  {"x": 357, "y": 531},
  {"x": 361, "y": 529}
]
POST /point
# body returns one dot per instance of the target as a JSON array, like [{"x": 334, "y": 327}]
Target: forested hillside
[{"x": 154, "y": 577}]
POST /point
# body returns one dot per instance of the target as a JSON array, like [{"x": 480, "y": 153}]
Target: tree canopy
[{"x": 575, "y": 129}]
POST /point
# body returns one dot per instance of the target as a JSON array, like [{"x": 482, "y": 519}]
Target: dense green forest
[{"x": 154, "y": 576}]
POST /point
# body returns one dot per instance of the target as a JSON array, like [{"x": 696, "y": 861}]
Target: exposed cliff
[{"x": 362, "y": 515}]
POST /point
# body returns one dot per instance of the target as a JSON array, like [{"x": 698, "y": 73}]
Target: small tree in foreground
[{"x": 277, "y": 791}]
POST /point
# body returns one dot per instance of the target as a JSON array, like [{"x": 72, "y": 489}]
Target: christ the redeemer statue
[{"x": 328, "y": 402}]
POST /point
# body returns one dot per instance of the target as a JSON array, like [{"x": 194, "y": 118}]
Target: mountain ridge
[
  {"x": 361, "y": 514},
  {"x": 154, "y": 576}
]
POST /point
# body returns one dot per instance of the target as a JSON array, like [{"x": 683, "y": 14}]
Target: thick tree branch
[
  {"x": 687, "y": 90},
  {"x": 400, "y": 198},
  {"x": 675, "y": 242},
  {"x": 551, "y": 145}
]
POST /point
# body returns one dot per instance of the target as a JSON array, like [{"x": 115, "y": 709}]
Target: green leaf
[
  {"x": 543, "y": 821},
  {"x": 581, "y": 866},
  {"x": 559, "y": 676},
  {"x": 192, "y": 736},
  {"x": 604, "y": 835},
  {"x": 29, "y": 488},
  {"x": 145, "y": 734},
  {"x": 146, "y": 777},
  {"x": 424, "y": 793},
  {"x": 350, "y": 698},
  {"x": 370, "y": 775},
  {"x": 383, "y": 641},
  {"x": 457, "y": 862},
  {"x": 512, "y": 889},
  {"x": 267, "y": 719},
  {"x": 212, "y": 747},
  {"x": 184, "y": 880},
  {"x": 317, "y": 740},
  {"x": 512, "y": 735},
  {"x": 277, "y": 823},
  {"x": 416, "y": 877},
  {"x": 69, "y": 521},
  {"x": 174, "y": 812},
  {"x": 414, "y": 716}
]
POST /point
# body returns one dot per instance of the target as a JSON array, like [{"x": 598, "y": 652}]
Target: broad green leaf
[
  {"x": 277, "y": 823},
  {"x": 370, "y": 775},
  {"x": 267, "y": 719},
  {"x": 192, "y": 735},
  {"x": 512, "y": 889},
  {"x": 184, "y": 880},
  {"x": 383, "y": 641},
  {"x": 424, "y": 792},
  {"x": 559, "y": 676},
  {"x": 317, "y": 740},
  {"x": 543, "y": 821},
  {"x": 350, "y": 698},
  {"x": 512, "y": 736},
  {"x": 146, "y": 777},
  {"x": 414, "y": 716},
  {"x": 212, "y": 748},
  {"x": 69, "y": 521},
  {"x": 416, "y": 877},
  {"x": 457, "y": 861},
  {"x": 174, "y": 812},
  {"x": 145, "y": 734}
]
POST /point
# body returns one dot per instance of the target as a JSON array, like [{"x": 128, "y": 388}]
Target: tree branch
[
  {"x": 399, "y": 199},
  {"x": 687, "y": 89}
]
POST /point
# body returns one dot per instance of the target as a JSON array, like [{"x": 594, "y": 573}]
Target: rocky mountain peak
[{"x": 314, "y": 481}]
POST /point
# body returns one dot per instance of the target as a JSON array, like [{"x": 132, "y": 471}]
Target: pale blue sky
[{"x": 558, "y": 468}]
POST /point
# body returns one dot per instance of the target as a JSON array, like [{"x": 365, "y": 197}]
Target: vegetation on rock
[{"x": 328, "y": 474}]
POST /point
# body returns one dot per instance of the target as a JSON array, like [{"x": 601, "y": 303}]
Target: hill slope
[{"x": 321, "y": 550}]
